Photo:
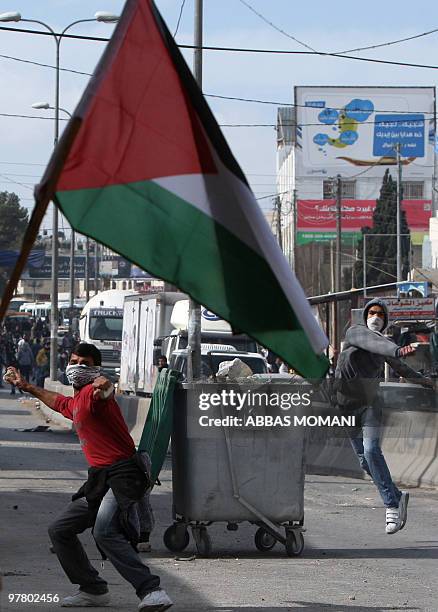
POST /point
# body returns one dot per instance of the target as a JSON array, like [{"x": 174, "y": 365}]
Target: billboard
[
  {"x": 316, "y": 219},
  {"x": 42, "y": 269},
  {"x": 347, "y": 130},
  {"x": 407, "y": 308}
]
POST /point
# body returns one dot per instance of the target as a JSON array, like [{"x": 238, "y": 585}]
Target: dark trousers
[{"x": 108, "y": 535}]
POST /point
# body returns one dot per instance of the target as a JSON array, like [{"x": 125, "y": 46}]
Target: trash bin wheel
[
  {"x": 175, "y": 539},
  {"x": 294, "y": 543},
  {"x": 202, "y": 541},
  {"x": 263, "y": 540}
]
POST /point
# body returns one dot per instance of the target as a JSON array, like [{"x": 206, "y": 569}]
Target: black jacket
[{"x": 129, "y": 482}]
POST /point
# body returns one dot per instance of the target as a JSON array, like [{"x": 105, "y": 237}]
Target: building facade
[{"x": 354, "y": 133}]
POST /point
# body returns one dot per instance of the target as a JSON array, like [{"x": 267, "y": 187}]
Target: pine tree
[
  {"x": 13, "y": 221},
  {"x": 381, "y": 251}
]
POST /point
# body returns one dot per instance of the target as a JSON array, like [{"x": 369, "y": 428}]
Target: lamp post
[
  {"x": 46, "y": 106},
  {"x": 103, "y": 17}
]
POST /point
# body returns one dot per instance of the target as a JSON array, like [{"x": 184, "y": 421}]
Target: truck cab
[
  {"x": 214, "y": 330},
  {"x": 101, "y": 324}
]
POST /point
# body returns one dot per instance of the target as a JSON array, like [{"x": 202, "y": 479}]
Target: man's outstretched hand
[
  {"x": 13, "y": 377},
  {"x": 404, "y": 351},
  {"x": 103, "y": 387}
]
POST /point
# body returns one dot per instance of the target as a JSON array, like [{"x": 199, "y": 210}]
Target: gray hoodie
[{"x": 360, "y": 364}]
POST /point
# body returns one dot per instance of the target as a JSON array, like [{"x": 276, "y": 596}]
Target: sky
[{"x": 324, "y": 26}]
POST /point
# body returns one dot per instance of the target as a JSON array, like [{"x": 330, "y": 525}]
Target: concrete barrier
[
  {"x": 134, "y": 409},
  {"x": 409, "y": 443},
  {"x": 329, "y": 455}
]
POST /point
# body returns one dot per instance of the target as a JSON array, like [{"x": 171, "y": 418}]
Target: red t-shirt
[{"x": 100, "y": 426}]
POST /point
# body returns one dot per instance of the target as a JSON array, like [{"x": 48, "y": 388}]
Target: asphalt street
[{"x": 349, "y": 563}]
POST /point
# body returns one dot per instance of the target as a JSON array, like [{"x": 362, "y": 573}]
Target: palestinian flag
[{"x": 143, "y": 168}]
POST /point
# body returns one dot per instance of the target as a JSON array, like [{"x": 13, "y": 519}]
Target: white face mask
[
  {"x": 81, "y": 375},
  {"x": 375, "y": 323}
]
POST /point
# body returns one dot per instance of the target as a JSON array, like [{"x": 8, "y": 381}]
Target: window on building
[
  {"x": 329, "y": 189},
  {"x": 413, "y": 190},
  {"x": 349, "y": 190}
]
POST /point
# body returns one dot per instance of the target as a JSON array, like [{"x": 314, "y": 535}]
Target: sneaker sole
[
  {"x": 393, "y": 532},
  {"x": 406, "y": 517}
]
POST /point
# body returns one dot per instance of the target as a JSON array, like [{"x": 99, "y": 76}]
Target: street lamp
[
  {"x": 46, "y": 106},
  {"x": 16, "y": 17}
]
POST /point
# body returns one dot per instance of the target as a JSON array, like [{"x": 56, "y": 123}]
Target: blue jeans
[
  {"x": 365, "y": 439},
  {"x": 108, "y": 535}
]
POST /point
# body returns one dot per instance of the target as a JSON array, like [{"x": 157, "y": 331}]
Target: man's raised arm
[{"x": 14, "y": 377}]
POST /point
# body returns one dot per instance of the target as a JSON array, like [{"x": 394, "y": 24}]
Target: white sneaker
[
  {"x": 82, "y": 599},
  {"x": 392, "y": 520},
  {"x": 403, "y": 508},
  {"x": 157, "y": 601}
]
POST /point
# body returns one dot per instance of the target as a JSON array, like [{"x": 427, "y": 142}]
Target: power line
[
  {"x": 179, "y": 18},
  {"x": 291, "y": 104},
  {"x": 16, "y": 182},
  {"x": 242, "y": 49},
  {"x": 26, "y": 61},
  {"x": 271, "y": 195},
  {"x": 266, "y": 20},
  {"x": 31, "y": 117},
  {"x": 9, "y": 163},
  {"x": 391, "y": 42},
  {"x": 224, "y": 125}
]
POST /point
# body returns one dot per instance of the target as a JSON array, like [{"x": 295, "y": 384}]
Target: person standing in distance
[
  {"x": 357, "y": 377},
  {"x": 117, "y": 480}
]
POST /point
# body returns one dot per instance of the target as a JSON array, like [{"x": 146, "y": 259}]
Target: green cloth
[{"x": 158, "y": 427}]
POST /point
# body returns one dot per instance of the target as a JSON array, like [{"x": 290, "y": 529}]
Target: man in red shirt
[{"x": 116, "y": 481}]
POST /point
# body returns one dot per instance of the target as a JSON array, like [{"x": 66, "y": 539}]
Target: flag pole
[{"x": 194, "y": 324}]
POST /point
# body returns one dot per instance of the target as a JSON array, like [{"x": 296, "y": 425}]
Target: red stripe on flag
[{"x": 140, "y": 123}]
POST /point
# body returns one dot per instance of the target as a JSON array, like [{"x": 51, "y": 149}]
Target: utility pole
[
  {"x": 87, "y": 268},
  {"x": 334, "y": 308},
  {"x": 399, "y": 203},
  {"x": 364, "y": 265},
  {"x": 354, "y": 259},
  {"x": 279, "y": 233},
  {"x": 194, "y": 326},
  {"x": 338, "y": 232},
  {"x": 338, "y": 261},
  {"x": 72, "y": 274},
  {"x": 96, "y": 267},
  {"x": 294, "y": 229}
]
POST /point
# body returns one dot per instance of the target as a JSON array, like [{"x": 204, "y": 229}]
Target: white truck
[
  {"x": 155, "y": 325},
  {"x": 100, "y": 323},
  {"x": 212, "y": 355}
]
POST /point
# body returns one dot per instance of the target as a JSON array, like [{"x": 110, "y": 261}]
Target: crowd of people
[{"x": 25, "y": 345}]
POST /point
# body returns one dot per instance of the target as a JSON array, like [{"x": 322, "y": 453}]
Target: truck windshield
[{"x": 106, "y": 328}]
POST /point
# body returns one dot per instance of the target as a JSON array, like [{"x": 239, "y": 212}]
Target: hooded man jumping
[{"x": 358, "y": 373}]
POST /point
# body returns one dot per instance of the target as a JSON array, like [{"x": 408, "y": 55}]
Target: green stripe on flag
[{"x": 173, "y": 240}]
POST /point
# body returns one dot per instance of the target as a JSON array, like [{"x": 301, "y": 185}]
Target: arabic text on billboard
[{"x": 346, "y": 129}]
